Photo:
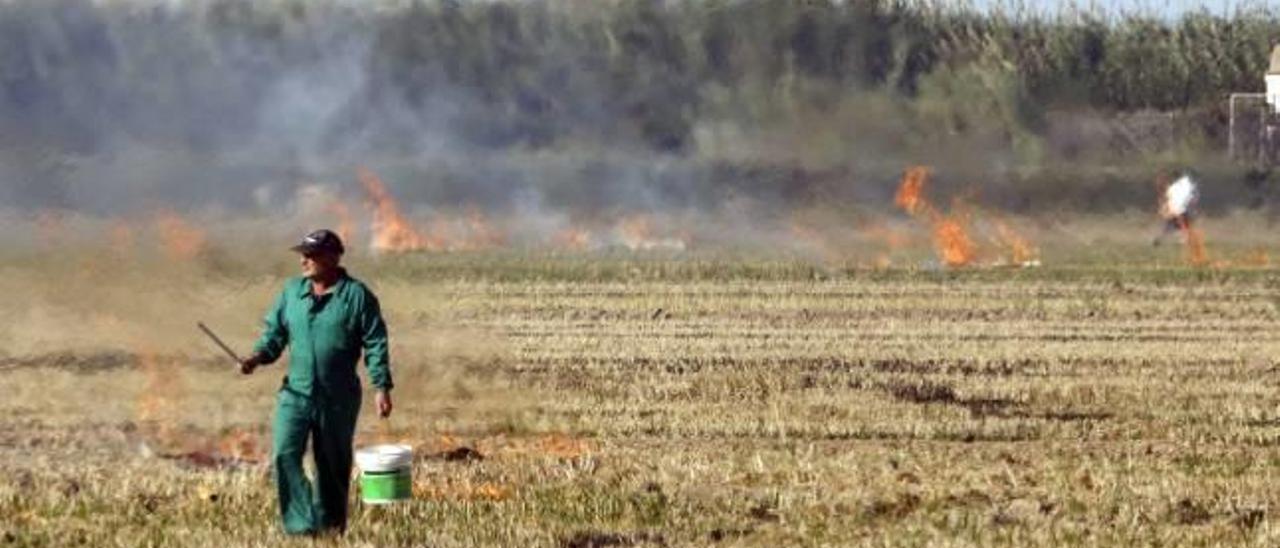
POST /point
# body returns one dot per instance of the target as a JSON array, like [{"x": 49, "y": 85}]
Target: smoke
[{"x": 550, "y": 116}]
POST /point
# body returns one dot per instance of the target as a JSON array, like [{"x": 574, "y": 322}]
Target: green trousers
[{"x": 330, "y": 425}]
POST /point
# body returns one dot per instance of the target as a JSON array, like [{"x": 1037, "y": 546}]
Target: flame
[
  {"x": 158, "y": 413},
  {"x": 239, "y": 445},
  {"x": 448, "y": 441},
  {"x": 636, "y": 233},
  {"x": 1194, "y": 240},
  {"x": 1021, "y": 252},
  {"x": 572, "y": 238},
  {"x": 562, "y": 446},
  {"x": 1257, "y": 258},
  {"x": 460, "y": 490},
  {"x": 952, "y": 242},
  {"x": 492, "y": 491},
  {"x": 392, "y": 233},
  {"x": 181, "y": 240},
  {"x": 892, "y": 238},
  {"x": 635, "y": 230},
  {"x": 157, "y": 404},
  {"x": 910, "y": 193},
  {"x": 951, "y": 239}
]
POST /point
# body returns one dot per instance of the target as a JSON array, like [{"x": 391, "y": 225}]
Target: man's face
[{"x": 319, "y": 263}]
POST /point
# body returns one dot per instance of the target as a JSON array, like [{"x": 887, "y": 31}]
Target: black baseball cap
[{"x": 320, "y": 241}]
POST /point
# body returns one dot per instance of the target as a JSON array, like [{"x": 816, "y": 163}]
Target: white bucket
[
  {"x": 384, "y": 458},
  {"x": 386, "y": 473}
]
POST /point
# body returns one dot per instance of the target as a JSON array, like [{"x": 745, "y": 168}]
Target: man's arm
[
  {"x": 373, "y": 337},
  {"x": 274, "y": 339}
]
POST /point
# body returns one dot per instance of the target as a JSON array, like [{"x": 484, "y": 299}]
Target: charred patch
[
  {"x": 988, "y": 407},
  {"x": 457, "y": 454},
  {"x": 151, "y": 502},
  {"x": 1190, "y": 512},
  {"x": 965, "y": 367},
  {"x": 208, "y": 460},
  {"x": 892, "y": 508},
  {"x": 721, "y": 534},
  {"x": 764, "y": 512},
  {"x": 1074, "y": 416},
  {"x": 70, "y": 361},
  {"x": 922, "y": 392},
  {"x": 926, "y": 392},
  {"x": 972, "y": 498}
]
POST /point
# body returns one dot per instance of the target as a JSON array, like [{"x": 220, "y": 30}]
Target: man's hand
[
  {"x": 383, "y": 400},
  {"x": 247, "y": 365}
]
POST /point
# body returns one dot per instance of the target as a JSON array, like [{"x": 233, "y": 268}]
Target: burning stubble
[
  {"x": 391, "y": 231},
  {"x": 951, "y": 231}
]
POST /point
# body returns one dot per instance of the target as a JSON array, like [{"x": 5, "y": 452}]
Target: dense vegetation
[
  {"x": 765, "y": 95},
  {"x": 537, "y": 73}
]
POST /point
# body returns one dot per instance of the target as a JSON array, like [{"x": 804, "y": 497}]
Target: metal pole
[
  {"x": 1233, "y": 142},
  {"x": 1264, "y": 137},
  {"x": 1231, "y": 127}
]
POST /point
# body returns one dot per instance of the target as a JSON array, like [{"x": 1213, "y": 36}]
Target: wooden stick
[{"x": 219, "y": 342}]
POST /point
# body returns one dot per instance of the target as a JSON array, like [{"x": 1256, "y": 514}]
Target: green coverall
[{"x": 320, "y": 396}]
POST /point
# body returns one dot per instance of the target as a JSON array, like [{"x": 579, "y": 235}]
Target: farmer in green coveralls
[{"x": 325, "y": 318}]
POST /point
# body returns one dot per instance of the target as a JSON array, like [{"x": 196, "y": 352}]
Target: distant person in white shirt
[{"x": 1178, "y": 205}]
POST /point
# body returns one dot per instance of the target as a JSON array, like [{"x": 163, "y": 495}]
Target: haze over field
[{"x": 730, "y": 118}]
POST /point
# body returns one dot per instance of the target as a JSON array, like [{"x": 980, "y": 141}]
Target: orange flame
[
  {"x": 1021, "y": 251},
  {"x": 951, "y": 239},
  {"x": 1257, "y": 258},
  {"x": 635, "y": 230},
  {"x": 158, "y": 413},
  {"x": 910, "y": 196},
  {"x": 572, "y": 238},
  {"x": 181, "y": 240},
  {"x": 157, "y": 405},
  {"x": 562, "y": 446},
  {"x": 1196, "y": 254},
  {"x": 952, "y": 242},
  {"x": 239, "y": 445},
  {"x": 460, "y": 490},
  {"x": 892, "y": 238},
  {"x": 637, "y": 233},
  {"x": 391, "y": 231}
]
